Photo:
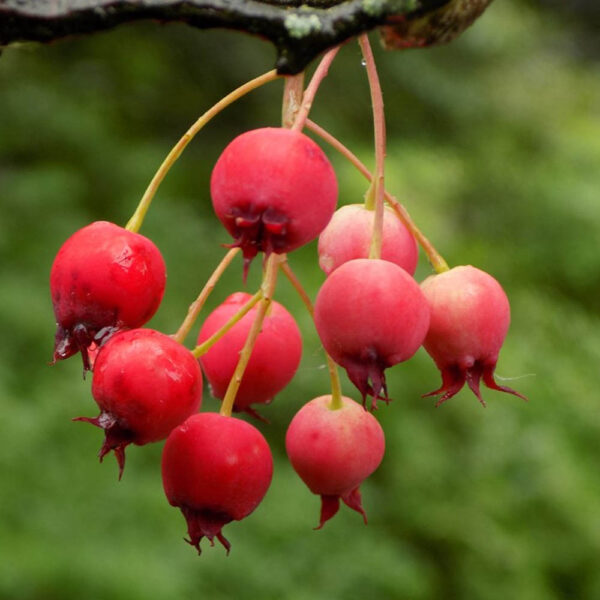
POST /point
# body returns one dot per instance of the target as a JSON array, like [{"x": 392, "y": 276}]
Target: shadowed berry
[
  {"x": 348, "y": 236},
  {"x": 274, "y": 360}
]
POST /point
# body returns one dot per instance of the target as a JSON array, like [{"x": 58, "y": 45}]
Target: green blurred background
[{"x": 494, "y": 147}]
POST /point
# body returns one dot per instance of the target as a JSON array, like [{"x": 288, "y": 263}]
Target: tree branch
[{"x": 299, "y": 30}]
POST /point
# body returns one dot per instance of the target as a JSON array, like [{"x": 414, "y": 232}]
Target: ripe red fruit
[
  {"x": 370, "y": 314},
  {"x": 333, "y": 451},
  {"x": 274, "y": 190},
  {"x": 104, "y": 278},
  {"x": 216, "y": 469},
  {"x": 348, "y": 236},
  {"x": 274, "y": 360},
  {"x": 145, "y": 384},
  {"x": 470, "y": 315}
]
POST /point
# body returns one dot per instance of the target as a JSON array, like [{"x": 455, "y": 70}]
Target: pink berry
[
  {"x": 334, "y": 451},
  {"x": 470, "y": 315},
  {"x": 104, "y": 278},
  {"x": 274, "y": 360},
  {"x": 348, "y": 236},
  {"x": 370, "y": 315},
  {"x": 274, "y": 190},
  {"x": 216, "y": 469},
  {"x": 145, "y": 384}
]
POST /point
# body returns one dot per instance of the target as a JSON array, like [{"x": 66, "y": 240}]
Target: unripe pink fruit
[
  {"x": 145, "y": 384},
  {"x": 216, "y": 469},
  {"x": 348, "y": 236},
  {"x": 470, "y": 315},
  {"x": 104, "y": 278},
  {"x": 274, "y": 360},
  {"x": 274, "y": 190},
  {"x": 334, "y": 451},
  {"x": 370, "y": 315}
]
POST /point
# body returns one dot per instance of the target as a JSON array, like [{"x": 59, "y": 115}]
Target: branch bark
[{"x": 299, "y": 30}]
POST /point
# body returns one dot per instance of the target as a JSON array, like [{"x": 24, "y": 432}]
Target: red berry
[
  {"x": 104, "y": 278},
  {"x": 348, "y": 236},
  {"x": 145, "y": 384},
  {"x": 333, "y": 451},
  {"x": 216, "y": 469},
  {"x": 470, "y": 315},
  {"x": 274, "y": 190},
  {"x": 274, "y": 360},
  {"x": 370, "y": 315}
]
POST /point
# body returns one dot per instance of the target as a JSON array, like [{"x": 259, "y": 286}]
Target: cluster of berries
[{"x": 274, "y": 190}]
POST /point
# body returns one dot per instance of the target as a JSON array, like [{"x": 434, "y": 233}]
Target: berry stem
[
  {"x": 377, "y": 189},
  {"x": 336, "y": 386},
  {"x": 309, "y": 94},
  {"x": 267, "y": 290},
  {"x": 292, "y": 99},
  {"x": 205, "y": 346},
  {"x": 435, "y": 258},
  {"x": 137, "y": 218},
  {"x": 196, "y": 306}
]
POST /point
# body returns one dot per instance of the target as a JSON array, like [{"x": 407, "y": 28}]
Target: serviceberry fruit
[
  {"x": 348, "y": 236},
  {"x": 274, "y": 190},
  {"x": 274, "y": 360},
  {"x": 216, "y": 469},
  {"x": 145, "y": 384},
  {"x": 470, "y": 315},
  {"x": 334, "y": 450},
  {"x": 104, "y": 278},
  {"x": 370, "y": 315}
]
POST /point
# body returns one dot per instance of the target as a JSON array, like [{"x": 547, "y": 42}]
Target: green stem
[
  {"x": 311, "y": 90},
  {"x": 196, "y": 306},
  {"x": 137, "y": 218},
  {"x": 435, "y": 258},
  {"x": 205, "y": 346},
  {"x": 336, "y": 386},
  {"x": 267, "y": 290},
  {"x": 377, "y": 182}
]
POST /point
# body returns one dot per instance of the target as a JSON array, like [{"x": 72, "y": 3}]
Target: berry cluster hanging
[{"x": 274, "y": 190}]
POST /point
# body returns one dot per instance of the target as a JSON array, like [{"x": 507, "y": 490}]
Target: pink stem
[{"x": 309, "y": 94}]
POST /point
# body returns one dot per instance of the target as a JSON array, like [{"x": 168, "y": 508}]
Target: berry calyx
[
  {"x": 274, "y": 359},
  {"x": 274, "y": 190},
  {"x": 470, "y": 315},
  {"x": 145, "y": 384},
  {"x": 370, "y": 314},
  {"x": 348, "y": 236},
  {"x": 334, "y": 451},
  {"x": 104, "y": 278},
  {"x": 216, "y": 469}
]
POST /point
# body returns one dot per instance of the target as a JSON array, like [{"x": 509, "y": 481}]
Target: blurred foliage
[{"x": 494, "y": 146}]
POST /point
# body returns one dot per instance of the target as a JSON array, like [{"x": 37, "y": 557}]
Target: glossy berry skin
[
  {"x": 470, "y": 315},
  {"x": 348, "y": 236},
  {"x": 333, "y": 451},
  {"x": 216, "y": 469},
  {"x": 370, "y": 315},
  {"x": 104, "y": 278},
  {"x": 274, "y": 190},
  {"x": 145, "y": 384},
  {"x": 274, "y": 360}
]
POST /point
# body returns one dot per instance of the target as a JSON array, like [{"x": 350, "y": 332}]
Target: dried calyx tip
[{"x": 455, "y": 377}]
